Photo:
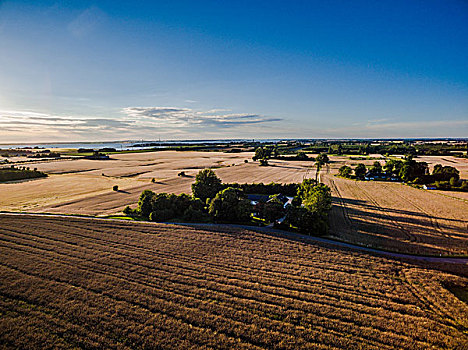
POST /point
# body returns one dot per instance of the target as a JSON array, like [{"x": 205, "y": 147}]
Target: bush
[
  {"x": 345, "y": 171},
  {"x": 128, "y": 211},
  {"x": 263, "y": 162},
  {"x": 115, "y": 188}
]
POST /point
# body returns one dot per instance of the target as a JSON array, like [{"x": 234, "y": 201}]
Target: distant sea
[{"x": 122, "y": 145}]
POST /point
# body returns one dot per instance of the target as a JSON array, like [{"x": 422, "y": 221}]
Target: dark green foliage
[
  {"x": 271, "y": 188},
  {"x": 13, "y": 174},
  {"x": 302, "y": 156},
  {"x": 360, "y": 171},
  {"x": 259, "y": 154},
  {"x": 128, "y": 211},
  {"x": 161, "y": 215},
  {"x": 306, "y": 221},
  {"x": 345, "y": 171},
  {"x": 317, "y": 199},
  {"x": 163, "y": 206},
  {"x": 145, "y": 203},
  {"x": 322, "y": 159},
  {"x": 445, "y": 173},
  {"x": 263, "y": 162},
  {"x": 230, "y": 205},
  {"x": 393, "y": 167},
  {"x": 273, "y": 209},
  {"x": 376, "y": 168},
  {"x": 412, "y": 169},
  {"x": 115, "y": 188},
  {"x": 309, "y": 212},
  {"x": 206, "y": 185}
]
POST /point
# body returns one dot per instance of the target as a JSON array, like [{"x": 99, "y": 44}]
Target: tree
[
  {"x": 345, "y": 171},
  {"x": 412, "y": 170},
  {"x": 453, "y": 182},
  {"x": 273, "y": 209},
  {"x": 360, "y": 171},
  {"x": 145, "y": 203},
  {"x": 259, "y": 154},
  {"x": 115, "y": 188},
  {"x": 376, "y": 168},
  {"x": 206, "y": 185},
  {"x": 317, "y": 199},
  {"x": 230, "y": 205},
  {"x": 302, "y": 156},
  {"x": 322, "y": 158},
  {"x": 445, "y": 173}
]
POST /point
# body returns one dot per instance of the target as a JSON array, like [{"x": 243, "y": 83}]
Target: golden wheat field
[
  {"x": 379, "y": 214},
  {"x": 89, "y": 283},
  {"x": 395, "y": 216},
  {"x": 84, "y": 186}
]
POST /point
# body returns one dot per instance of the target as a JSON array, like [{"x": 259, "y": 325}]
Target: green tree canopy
[
  {"x": 230, "y": 205},
  {"x": 376, "y": 168},
  {"x": 145, "y": 203},
  {"x": 322, "y": 159},
  {"x": 344, "y": 171},
  {"x": 206, "y": 185},
  {"x": 360, "y": 171}
]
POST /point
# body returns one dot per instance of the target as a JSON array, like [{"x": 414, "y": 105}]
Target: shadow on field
[{"x": 406, "y": 231}]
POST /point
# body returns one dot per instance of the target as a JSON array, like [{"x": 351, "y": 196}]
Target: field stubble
[{"x": 68, "y": 282}]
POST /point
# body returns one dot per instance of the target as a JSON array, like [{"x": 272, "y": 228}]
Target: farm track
[{"x": 176, "y": 287}]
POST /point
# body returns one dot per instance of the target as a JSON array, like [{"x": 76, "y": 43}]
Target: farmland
[
  {"x": 378, "y": 214},
  {"x": 397, "y": 217},
  {"x": 85, "y": 186},
  {"x": 71, "y": 282}
]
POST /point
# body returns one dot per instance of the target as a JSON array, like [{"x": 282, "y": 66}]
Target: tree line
[
  {"x": 213, "y": 201},
  {"x": 410, "y": 171},
  {"x": 21, "y": 173}
]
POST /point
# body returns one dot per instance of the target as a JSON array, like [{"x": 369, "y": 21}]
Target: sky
[{"x": 172, "y": 70}]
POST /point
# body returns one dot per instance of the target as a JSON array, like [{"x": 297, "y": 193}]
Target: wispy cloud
[
  {"x": 186, "y": 117},
  {"x": 133, "y": 123}
]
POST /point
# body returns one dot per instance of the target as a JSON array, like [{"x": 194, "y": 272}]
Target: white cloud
[
  {"x": 135, "y": 123},
  {"x": 186, "y": 117}
]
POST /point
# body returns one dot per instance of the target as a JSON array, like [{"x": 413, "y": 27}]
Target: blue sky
[{"x": 109, "y": 70}]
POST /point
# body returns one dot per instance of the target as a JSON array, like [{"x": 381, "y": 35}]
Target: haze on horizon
[{"x": 106, "y": 70}]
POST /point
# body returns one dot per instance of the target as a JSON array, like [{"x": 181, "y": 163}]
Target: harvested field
[
  {"x": 70, "y": 282},
  {"x": 79, "y": 186},
  {"x": 398, "y": 217}
]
